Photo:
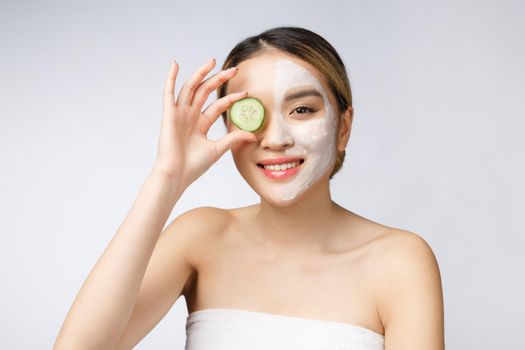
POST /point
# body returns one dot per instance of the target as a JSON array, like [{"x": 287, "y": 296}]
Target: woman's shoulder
[
  {"x": 206, "y": 221},
  {"x": 396, "y": 249},
  {"x": 405, "y": 268},
  {"x": 390, "y": 242},
  {"x": 215, "y": 214},
  {"x": 400, "y": 247},
  {"x": 209, "y": 212}
]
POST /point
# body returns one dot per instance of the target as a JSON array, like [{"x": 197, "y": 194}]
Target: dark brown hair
[{"x": 306, "y": 45}]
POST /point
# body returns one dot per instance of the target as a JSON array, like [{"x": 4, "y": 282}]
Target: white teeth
[{"x": 280, "y": 167}]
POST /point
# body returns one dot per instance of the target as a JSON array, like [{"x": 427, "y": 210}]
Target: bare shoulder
[
  {"x": 405, "y": 256},
  {"x": 195, "y": 228},
  {"x": 202, "y": 217},
  {"x": 401, "y": 249},
  {"x": 410, "y": 296},
  {"x": 200, "y": 222}
]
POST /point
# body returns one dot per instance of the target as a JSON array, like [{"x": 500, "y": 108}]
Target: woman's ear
[{"x": 345, "y": 128}]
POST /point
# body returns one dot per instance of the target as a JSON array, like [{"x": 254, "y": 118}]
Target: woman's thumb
[{"x": 229, "y": 140}]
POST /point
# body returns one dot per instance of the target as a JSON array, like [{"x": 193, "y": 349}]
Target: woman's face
[{"x": 300, "y": 126}]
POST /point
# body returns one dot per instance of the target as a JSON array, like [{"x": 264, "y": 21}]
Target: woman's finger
[
  {"x": 214, "y": 110},
  {"x": 169, "y": 85},
  {"x": 229, "y": 140},
  {"x": 210, "y": 84},
  {"x": 188, "y": 88}
]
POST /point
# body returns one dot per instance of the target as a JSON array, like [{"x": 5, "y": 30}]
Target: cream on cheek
[{"x": 314, "y": 140}]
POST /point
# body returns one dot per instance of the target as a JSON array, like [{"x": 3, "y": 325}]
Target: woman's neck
[{"x": 304, "y": 226}]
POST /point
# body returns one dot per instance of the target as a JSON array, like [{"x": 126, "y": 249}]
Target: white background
[{"x": 436, "y": 145}]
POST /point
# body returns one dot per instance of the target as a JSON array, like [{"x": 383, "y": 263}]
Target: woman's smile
[{"x": 281, "y": 170}]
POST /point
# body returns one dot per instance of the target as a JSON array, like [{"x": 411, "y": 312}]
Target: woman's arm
[
  {"x": 103, "y": 306},
  {"x": 412, "y": 308}
]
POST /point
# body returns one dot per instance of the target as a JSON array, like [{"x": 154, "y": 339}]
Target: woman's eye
[{"x": 304, "y": 110}]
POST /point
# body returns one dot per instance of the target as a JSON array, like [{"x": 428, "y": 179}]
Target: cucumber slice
[{"x": 247, "y": 114}]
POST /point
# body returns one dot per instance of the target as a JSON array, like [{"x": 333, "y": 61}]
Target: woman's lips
[{"x": 281, "y": 174}]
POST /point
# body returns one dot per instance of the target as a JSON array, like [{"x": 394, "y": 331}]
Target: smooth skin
[{"x": 350, "y": 269}]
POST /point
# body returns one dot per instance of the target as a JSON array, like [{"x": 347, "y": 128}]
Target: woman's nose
[{"x": 276, "y": 134}]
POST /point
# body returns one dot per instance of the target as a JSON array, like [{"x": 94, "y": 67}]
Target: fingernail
[{"x": 232, "y": 68}]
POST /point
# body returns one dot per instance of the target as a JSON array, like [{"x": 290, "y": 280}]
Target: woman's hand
[{"x": 184, "y": 151}]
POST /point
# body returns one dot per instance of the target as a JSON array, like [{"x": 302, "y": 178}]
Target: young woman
[{"x": 295, "y": 271}]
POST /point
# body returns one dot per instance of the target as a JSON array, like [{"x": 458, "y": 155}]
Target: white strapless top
[{"x": 235, "y": 329}]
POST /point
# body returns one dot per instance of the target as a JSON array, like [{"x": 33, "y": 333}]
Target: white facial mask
[{"x": 313, "y": 139}]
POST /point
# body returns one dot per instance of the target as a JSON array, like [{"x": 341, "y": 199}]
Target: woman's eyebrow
[{"x": 302, "y": 93}]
